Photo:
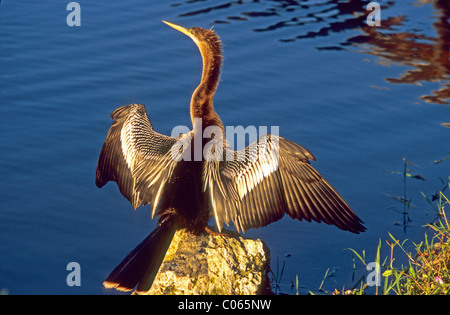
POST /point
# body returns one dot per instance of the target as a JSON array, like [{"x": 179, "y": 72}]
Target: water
[{"x": 360, "y": 98}]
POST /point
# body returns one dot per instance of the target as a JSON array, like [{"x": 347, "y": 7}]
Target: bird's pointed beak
[{"x": 179, "y": 28}]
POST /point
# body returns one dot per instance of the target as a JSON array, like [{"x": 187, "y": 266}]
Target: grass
[
  {"x": 276, "y": 278},
  {"x": 427, "y": 271}
]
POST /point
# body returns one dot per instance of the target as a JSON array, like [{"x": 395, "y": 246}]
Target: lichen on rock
[{"x": 213, "y": 264}]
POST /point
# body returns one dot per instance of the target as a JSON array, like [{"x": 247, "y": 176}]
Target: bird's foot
[{"x": 209, "y": 231}]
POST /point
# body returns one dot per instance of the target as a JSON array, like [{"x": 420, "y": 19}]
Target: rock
[{"x": 213, "y": 264}]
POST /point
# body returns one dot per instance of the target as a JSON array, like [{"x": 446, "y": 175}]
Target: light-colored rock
[{"x": 213, "y": 264}]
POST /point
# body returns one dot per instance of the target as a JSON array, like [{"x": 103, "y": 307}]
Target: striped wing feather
[
  {"x": 136, "y": 157},
  {"x": 273, "y": 177}
]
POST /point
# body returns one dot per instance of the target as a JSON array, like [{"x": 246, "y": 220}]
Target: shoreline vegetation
[
  {"x": 427, "y": 269},
  {"x": 407, "y": 268},
  {"x": 426, "y": 273}
]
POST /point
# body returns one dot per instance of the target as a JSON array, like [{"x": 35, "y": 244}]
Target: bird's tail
[{"x": 142, "y": 264}]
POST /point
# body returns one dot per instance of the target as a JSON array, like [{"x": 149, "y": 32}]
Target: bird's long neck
[{"x": 202, "y": 99}]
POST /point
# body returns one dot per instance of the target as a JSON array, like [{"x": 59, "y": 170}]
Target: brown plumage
[{"x": 251, "y": 188}]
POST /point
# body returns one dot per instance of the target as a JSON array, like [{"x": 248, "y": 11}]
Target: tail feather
[{"x": 142, "y": 264}]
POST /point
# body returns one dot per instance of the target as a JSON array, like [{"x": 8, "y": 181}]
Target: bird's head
[{"x": 207, "y": 41}]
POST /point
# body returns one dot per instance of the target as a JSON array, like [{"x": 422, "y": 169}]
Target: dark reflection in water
[
  {"x": 336, "y": 15},
  {"x": 429, "y": 56}
]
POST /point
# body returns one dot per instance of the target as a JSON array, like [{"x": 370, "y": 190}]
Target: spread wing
[
  {"x": 258, "y": 185},
  {"x": 136, "y": 157}
]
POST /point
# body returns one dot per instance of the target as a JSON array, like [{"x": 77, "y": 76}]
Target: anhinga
[{"x": 252, "y": 187}]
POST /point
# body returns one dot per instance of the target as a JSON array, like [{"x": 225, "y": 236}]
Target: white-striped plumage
[{"x": 251, "y": 187}]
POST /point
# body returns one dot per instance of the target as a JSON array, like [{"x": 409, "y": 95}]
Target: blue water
[{"x": 360, "y": 98}]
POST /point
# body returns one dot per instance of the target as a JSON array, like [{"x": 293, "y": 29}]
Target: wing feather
[
  {"x": 136, "y": 157},
  {"x": 274, "y": 177}
]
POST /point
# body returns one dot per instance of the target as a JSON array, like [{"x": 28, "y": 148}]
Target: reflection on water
[
  {"x": 428, "y": 55},
  {"x": 325, "y": 16}
]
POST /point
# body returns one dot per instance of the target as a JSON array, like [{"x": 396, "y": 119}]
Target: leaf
[
  {"x": 363, "y": 258},
  {"x": 419, "y": 177},
  {"x": 387, "y": 273}
]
